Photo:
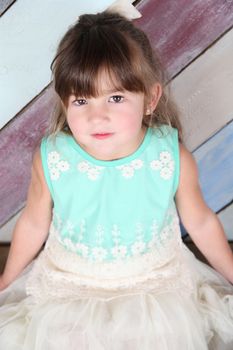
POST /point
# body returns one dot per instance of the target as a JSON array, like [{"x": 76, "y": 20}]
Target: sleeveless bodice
[{"x": 113, "y": 210}]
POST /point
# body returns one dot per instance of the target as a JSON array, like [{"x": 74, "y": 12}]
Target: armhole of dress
[
  {"x": 176, "y": 148},
  {"x": 43, "y": 152}
]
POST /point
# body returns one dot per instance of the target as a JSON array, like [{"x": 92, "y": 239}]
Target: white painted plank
[
  {"x": 29, "y": 35},
  {"x": 226, "y": 217},
  {"x": 203, "y": 92}
]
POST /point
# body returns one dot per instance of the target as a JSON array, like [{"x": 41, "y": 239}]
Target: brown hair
[{"x": 107, "y": 41}]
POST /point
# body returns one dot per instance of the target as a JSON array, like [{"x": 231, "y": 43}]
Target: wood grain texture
[
  {"x": 203, "y": 92},
  {"x": 215, "y": 163},
  {"x": 17, "y": 143},
  {"x": 181, "y": 30},
  {"x": 4, "y": 5}
]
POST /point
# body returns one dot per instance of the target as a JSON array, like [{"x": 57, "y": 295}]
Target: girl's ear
[{"x": 156, "y": 93}]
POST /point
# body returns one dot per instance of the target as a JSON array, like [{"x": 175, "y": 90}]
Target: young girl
[{"x": 107, "y": 184}]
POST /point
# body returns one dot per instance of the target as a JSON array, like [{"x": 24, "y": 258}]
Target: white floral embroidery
[
  {"x": 128, "y": 170},
  {"x": 69, "y": 244},
  {"x": 63, "y": 165},
  {"x": 92, "y": 171},
  {"x": 119, "y": 252},
  {"x": 53, "y": 157},
  {"x": 56, "y": 165},
  {"x": 156, "y": 165},
  {"x": 165, "y": 157},
  {"x": 54, "y": 173},
  {"x": 166, "y": 173},
  {"x": 116, "y": 234},
  {"x": 99, "y": 253},
  {"x": 137, "y": 163},
  {"x": 165, "y": 165},
  {"x": 146, "y": 238},
  {"x": 99, "y": 234},
  {"x": 138, "y": 247},
  {"x": 83, "y": 167},
  {"x": 82, "y": 249},
  {"x": 154, "y": 232}
]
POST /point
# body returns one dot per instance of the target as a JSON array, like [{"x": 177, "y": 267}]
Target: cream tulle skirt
[{"x": 172, "y": 317}]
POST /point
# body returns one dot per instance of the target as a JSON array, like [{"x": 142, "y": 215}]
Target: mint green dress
[{"x": 114, "y": 273}]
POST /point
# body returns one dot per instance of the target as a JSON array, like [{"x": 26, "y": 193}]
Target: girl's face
[{"x": 108, "y": 126}]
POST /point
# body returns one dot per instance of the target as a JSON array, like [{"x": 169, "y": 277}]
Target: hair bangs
[{"x": 98, "y": 52}]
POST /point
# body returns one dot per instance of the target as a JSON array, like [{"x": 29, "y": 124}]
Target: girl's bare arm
[
  {"x": 32, "y": 228},
  {"x": 200, "y": 222}
]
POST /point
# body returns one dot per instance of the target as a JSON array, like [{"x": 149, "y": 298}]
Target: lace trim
[{"x": 60, "y": 274}]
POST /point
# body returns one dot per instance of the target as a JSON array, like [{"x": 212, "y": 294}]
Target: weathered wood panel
[
  {"x": 4, "y": 5},
  {"x": 215, "y": 163},
  {"x": 17, "y": 143},
  {"x": 203, "y": 92},
  {"x": 181, "y": 29}
]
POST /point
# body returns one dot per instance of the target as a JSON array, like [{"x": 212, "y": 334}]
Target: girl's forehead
[{"x": 106, "y": 82}]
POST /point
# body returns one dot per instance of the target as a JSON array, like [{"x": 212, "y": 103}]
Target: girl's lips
[{"x": 102, "y": 136}]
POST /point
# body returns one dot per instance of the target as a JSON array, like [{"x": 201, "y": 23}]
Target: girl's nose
[{"x": 98, "y": 113}]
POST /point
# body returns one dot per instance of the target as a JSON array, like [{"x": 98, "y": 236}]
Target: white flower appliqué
[
  {"x": 119, "y": 250},
  {"x": 92, "y": 171},
  {"x": 165, "y": 165},
  {"x": 99, "y": 253},
  {"x": 128, "y": 170},
  {"x": 56, "y": 165}
]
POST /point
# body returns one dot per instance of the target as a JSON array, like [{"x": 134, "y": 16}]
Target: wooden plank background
[
  {"x": 181, "y": 30},
  {"x": 194, "y": 40}
]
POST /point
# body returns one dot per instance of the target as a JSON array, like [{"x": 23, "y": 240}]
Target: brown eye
[
  {"x": 116, "y": 99},
  {"x": 80, "y": 102}
]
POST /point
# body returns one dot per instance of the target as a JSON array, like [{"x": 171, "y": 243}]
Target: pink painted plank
[
  {"x": 5, "y": 4},
  {"x": 179, "y": 29},
  {"x": 17, "y": 143},
  {"x": 182, "y": 29}
]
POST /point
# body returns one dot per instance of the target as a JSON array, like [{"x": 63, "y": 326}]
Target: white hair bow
[{"x": 125, "y": 8}]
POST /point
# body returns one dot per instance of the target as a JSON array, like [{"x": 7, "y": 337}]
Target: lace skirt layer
[{"x": 61, "y": 303}]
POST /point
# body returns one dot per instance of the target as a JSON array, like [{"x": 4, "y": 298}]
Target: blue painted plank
[{"x": 215, "y": 163}]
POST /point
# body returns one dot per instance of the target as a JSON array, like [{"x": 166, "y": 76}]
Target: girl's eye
[
  {"x": 80, "y": 102},
  {"x": 116, "y": 99}
]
